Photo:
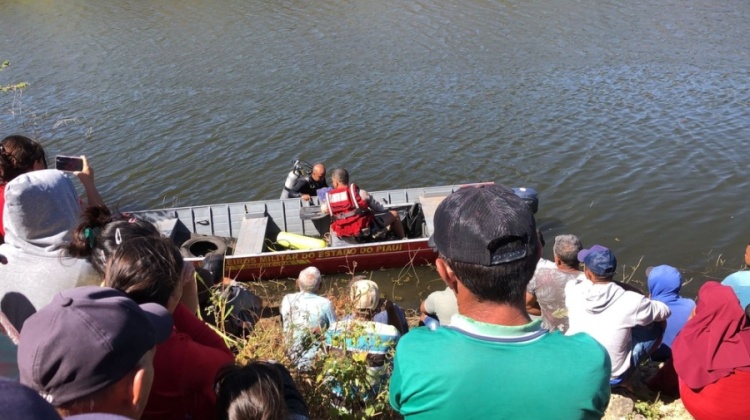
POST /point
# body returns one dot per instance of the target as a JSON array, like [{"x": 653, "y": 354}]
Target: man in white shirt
[
  {"x": 629, "y": 325},
  {"x": 306, "y": 315}
]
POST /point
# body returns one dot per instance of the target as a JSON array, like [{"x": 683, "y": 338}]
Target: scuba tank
[{"x": 296, "y": 172}]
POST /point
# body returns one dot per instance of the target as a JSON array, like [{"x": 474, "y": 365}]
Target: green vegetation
[
  {"x": 348, "y": 371},
  {"x": 12, "y": 86}
]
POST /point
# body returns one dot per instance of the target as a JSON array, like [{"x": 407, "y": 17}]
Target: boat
[{"x": 250, "y": 234}]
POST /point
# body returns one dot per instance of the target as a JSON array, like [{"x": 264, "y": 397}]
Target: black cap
[{"x": 484, "y": 225}]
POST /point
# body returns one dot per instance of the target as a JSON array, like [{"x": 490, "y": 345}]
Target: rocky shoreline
[{"x": 636, "y": 401}]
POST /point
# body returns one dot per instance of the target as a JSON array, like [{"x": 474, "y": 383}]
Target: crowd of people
[{"x": 105, "y": 317}]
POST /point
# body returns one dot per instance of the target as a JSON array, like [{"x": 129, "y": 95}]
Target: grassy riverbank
[{"x": 267, "y": 343}]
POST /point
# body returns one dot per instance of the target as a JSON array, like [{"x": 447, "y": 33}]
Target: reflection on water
[{"x": 630, "y": 119}]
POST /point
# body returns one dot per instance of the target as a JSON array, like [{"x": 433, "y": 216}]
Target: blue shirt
[
  {"x": 364, "y": 338},
  {"x": 304, "y": 314},
  {"x": 740, "y": 283}
]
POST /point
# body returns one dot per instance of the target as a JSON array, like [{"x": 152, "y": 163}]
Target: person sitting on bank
[
  {"x": 628, "y": 324},
  {"x": 151, "y": 269},
  {"x": 20, "y": 402},
  {"x": 441, "y": 305},
  {"x": 711, "y": 356},
  {"x": 664, "y": 283},
  {"x": 387, "y": 312},
  {"x": 307, "y": 186},
  {"x": 545, "y": 293},
  {"x": 494, "y": 361},
  {"x": 91, "y": 350},
  {"x": 355, "y": 215},
  {"x": 41, "y": 209},
  {"x": 306, "y": 314},
  {"x": 258, "y": 390},
  {"x": 361, "y": 334},
  {"x": 20, "y": 154},
  {"x": 740, "y": 281}
]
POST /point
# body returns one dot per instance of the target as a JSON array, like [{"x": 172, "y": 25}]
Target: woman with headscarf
[
  {"x": 664, "y": 283},
  {"x": 712, "y": 356}
]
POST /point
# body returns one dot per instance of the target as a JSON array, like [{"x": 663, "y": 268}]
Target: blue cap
[
  {"x": 584, "y": 252},
  {"x": 601, "y": 263}
]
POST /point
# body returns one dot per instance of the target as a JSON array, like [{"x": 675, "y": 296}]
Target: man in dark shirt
[{"x": 309, "y": 185}]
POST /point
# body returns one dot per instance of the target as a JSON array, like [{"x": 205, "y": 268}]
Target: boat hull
[
  {"x": 251, "y": 230},
  {"x": 351, "y": 259}
]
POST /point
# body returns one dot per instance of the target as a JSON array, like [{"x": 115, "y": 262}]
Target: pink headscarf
[{"x": 716, "y": 341}]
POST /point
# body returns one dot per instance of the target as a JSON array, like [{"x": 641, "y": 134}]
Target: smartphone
[{"x": 69, "y": 163}]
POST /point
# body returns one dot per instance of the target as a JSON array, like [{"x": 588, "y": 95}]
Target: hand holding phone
[{"x": 69, "y": 163}]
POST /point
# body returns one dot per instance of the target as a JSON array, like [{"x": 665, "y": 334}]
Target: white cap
[{"x": 365, "y": 294}]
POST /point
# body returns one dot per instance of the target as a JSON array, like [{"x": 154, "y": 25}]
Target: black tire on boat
[{"x": 202, "y": 246}]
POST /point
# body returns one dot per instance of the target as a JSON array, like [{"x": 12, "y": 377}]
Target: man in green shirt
[{"x": 493, "y": 361}]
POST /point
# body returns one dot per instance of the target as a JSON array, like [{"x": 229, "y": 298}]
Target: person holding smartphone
[{"x": 20, "y": 154}]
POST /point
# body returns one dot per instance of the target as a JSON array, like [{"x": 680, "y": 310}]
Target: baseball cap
[
  {"x": 86, "y": 339},
  {"x": 365, "y": 294},
  {"x": 601, "y": 263},
  {"x": 584, "y": 252},
  {"x": 485, "y": 225},
  {"x": 21, "y": 402}
]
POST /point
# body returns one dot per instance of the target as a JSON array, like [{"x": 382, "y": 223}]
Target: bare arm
[
  {"x": 86, "y": 176},
  {"x": 189, "y": 288}
]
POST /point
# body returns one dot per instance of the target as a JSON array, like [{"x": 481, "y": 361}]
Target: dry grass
[{"x": 268, "y": 341}]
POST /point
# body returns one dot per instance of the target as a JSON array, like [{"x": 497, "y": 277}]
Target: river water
[{"x": 631, "y": 120}]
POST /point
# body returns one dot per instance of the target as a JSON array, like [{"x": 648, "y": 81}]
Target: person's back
[
  {"x": 183, "y": 364},
  {"x": 548, "y": 286},
  {"x": 545, "y": 293},
  {"x": 18, "y": 155},
  {"x": 150, "y": 269},
  {"x": 479, "y": 370},
  {"x": 664, "y": 283},
  {"x": 740, "y": 281},
  {"x": 442, "y": 304},
  {"x": 362, "y": 335},
  {"x": 305, "y": 311},
  {"x": 305, "y": 315},
  {"x": 493, "y": 361},
  {"x": 372, "y": 338},
  {"x": 711, "y": 357},
  {"x": 610, "y": 314},
  {"x": 41, "y": 208}
]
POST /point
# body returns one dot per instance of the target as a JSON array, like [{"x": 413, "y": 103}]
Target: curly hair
[{"x": 18, "y": 154}]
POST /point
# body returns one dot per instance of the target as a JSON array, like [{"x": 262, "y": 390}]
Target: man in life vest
[{"x": 355, "y": 216}]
